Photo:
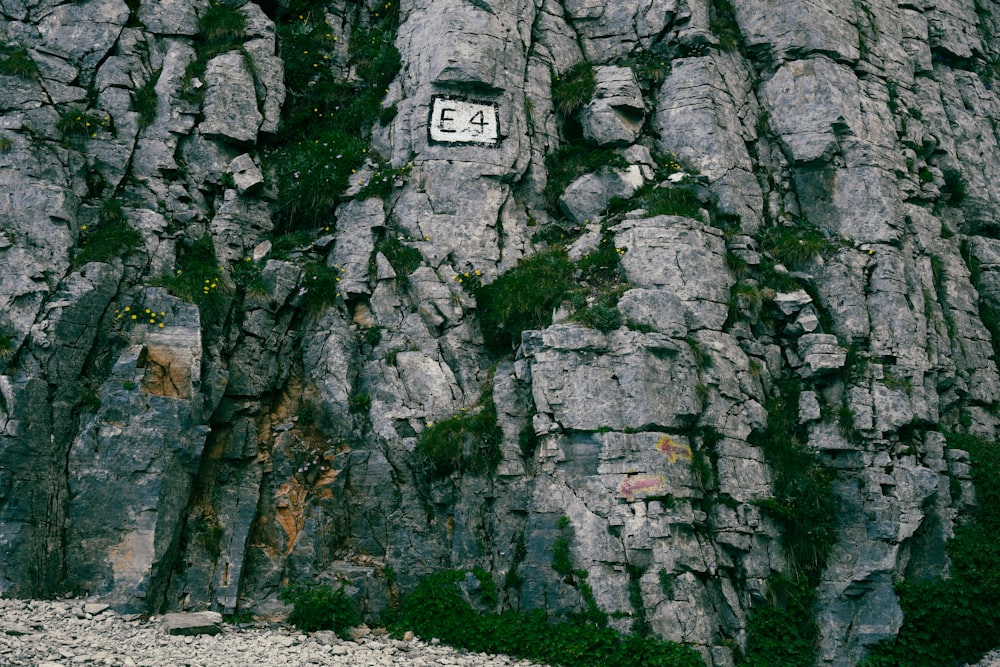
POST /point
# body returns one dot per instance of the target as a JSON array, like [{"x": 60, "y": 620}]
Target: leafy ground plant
[
  {"x": 571, "y": 161},
  {"x": 573, "y": 88},
  {"x": 321, "y": 608},
  {"x": 78, "y": 123},
  {"x": 436, "y": 608},
  {"x": 112, "y": 237},
  {"x": 327, "y": 120},
  {"x": 15, "y": 61},
  {"x": 784, "y": 632},
  {"x": 221, "y": 28},
  {"x": 469, "y": 440},
  {"x": 523, "y": 298},
  {"x": 201, "y": 280},
  {"x": 797, "y": 245}
]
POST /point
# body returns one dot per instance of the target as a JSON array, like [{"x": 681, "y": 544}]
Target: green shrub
[
  {"x": 78, "y": 123},
  {"x": 144, "y": 100},
  {"x": 7, "y": 349},
  {"x": 954, "y": 186},
  {"x": 210, "y": 533},
  {"x": 955, "y": 621},
  {"x": 383, "y": 181},
  {"x": 655, "y": 200},
  {"x": 6, "y": 144},
  {"x": 602, "y": 317},
  {"x": 320, "y": 286},
  {"x": 437, "y": 608},
  {"x": 221, "y": 28},
  {"x": 327, "y": 122},
  {"x": 573, "y": 89},
  {"x": 113, "y": 237},
  {"x": 404, "y": 259},
  {"x": 782, "y": 633},
  {"x": 468, "y": 441},
  {"x": 722, "y": 23},
  {"x": 796, "y": 246},
  {"x": 16, "y": 61},
  {"x": 200, "y": 280},
  {"x": 320, "y": 608},
  {"x": 360, "y": 404},
  {"x": 651, "y": 65},
  {"x": 523, "y": 298}
]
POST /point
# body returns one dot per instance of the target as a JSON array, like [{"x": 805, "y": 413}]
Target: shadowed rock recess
[{"x": 669, "y": 307}]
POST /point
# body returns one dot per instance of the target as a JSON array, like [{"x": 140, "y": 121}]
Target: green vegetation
[
  {"x": 221, "y": 28},
  {"x": 468, "y": 441},
  {"x": 15, "y": 61},
  {"x": 7, "y": 349},
  {"x": 6, "y": 144},
  {"x": 319, "y": 288},
  {"x": 796, "y": 246},
  {"x": 954, "y": 186},
  {"x": 200, "y": 280},
  {"x": 784, "y": 631},
  {"x": 144, "y": 100},
  {"x": 320, "y": 608},
  {"x": 324, "y": 134},
  {"x": 573, "y": 89},
  {"x": 383, "y": 181},
  {"x": 955, "y": 621},
  {"x": 562, "y": 563},
  {"x": 651, "y": 65},
  {"x": 359, "y": 404},
  {"x": 523, "y": 298},
  {"x": 79, "y": 123},
  {"x": 722, "y": 23},
  {"x": 113, "y": 237},
  {"x": 210, "y": 533},
  {"x": 403, "y": 258},
  {"x": 437, "y": 608},
  {"x": 659, "y": 201}
]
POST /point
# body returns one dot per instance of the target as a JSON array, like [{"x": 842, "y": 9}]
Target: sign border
[{"x": 483, "y": 144}]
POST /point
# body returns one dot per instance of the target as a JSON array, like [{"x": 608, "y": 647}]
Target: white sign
[{"x": 458, "y": 121}]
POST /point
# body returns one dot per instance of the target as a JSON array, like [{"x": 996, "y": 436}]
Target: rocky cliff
[{"x": 643, "y": 307}]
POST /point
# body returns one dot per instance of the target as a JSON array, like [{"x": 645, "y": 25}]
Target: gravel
[{"x": 80, "y": 632}]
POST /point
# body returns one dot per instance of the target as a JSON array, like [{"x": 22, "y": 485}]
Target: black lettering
[
  {"x": 481, "y": 122},
  {"x": 443, "y": 118}
]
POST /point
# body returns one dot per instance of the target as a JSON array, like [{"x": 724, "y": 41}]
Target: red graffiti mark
[
  {"x": 672, "y": 450},
  {"x": 632, "y": 486}
]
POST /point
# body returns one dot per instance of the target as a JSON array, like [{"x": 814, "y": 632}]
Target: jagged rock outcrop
[{"x": 245, "y": 258}]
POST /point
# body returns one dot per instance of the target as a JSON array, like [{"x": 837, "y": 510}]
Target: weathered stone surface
[
  {"x": 680, "y": 256},
  {"x": 230, "y": 99},
  {"x": 192, "y": 623},
  {"x": 264, "y": 435},
  {"x": 587, "y": 197},
  {"x": 616, "y": 114}
]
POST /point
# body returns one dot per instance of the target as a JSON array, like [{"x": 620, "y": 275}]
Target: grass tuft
[{"x": 573, "y": 88}]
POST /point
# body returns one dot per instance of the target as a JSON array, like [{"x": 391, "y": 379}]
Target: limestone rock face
[{"x": 253, "y": 260}]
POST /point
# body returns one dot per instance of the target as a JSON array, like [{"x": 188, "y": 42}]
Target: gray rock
[
  {"x": 193, "y": 623},
  {"x": 680, "y": 256},
  {"x": 820, "y": 353},
  {"x": 586, "y": 198},
  {"x": 615, "y": 115},
  {"x": 246, "y": 174},
  {"x": 230, "y": 99}
]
